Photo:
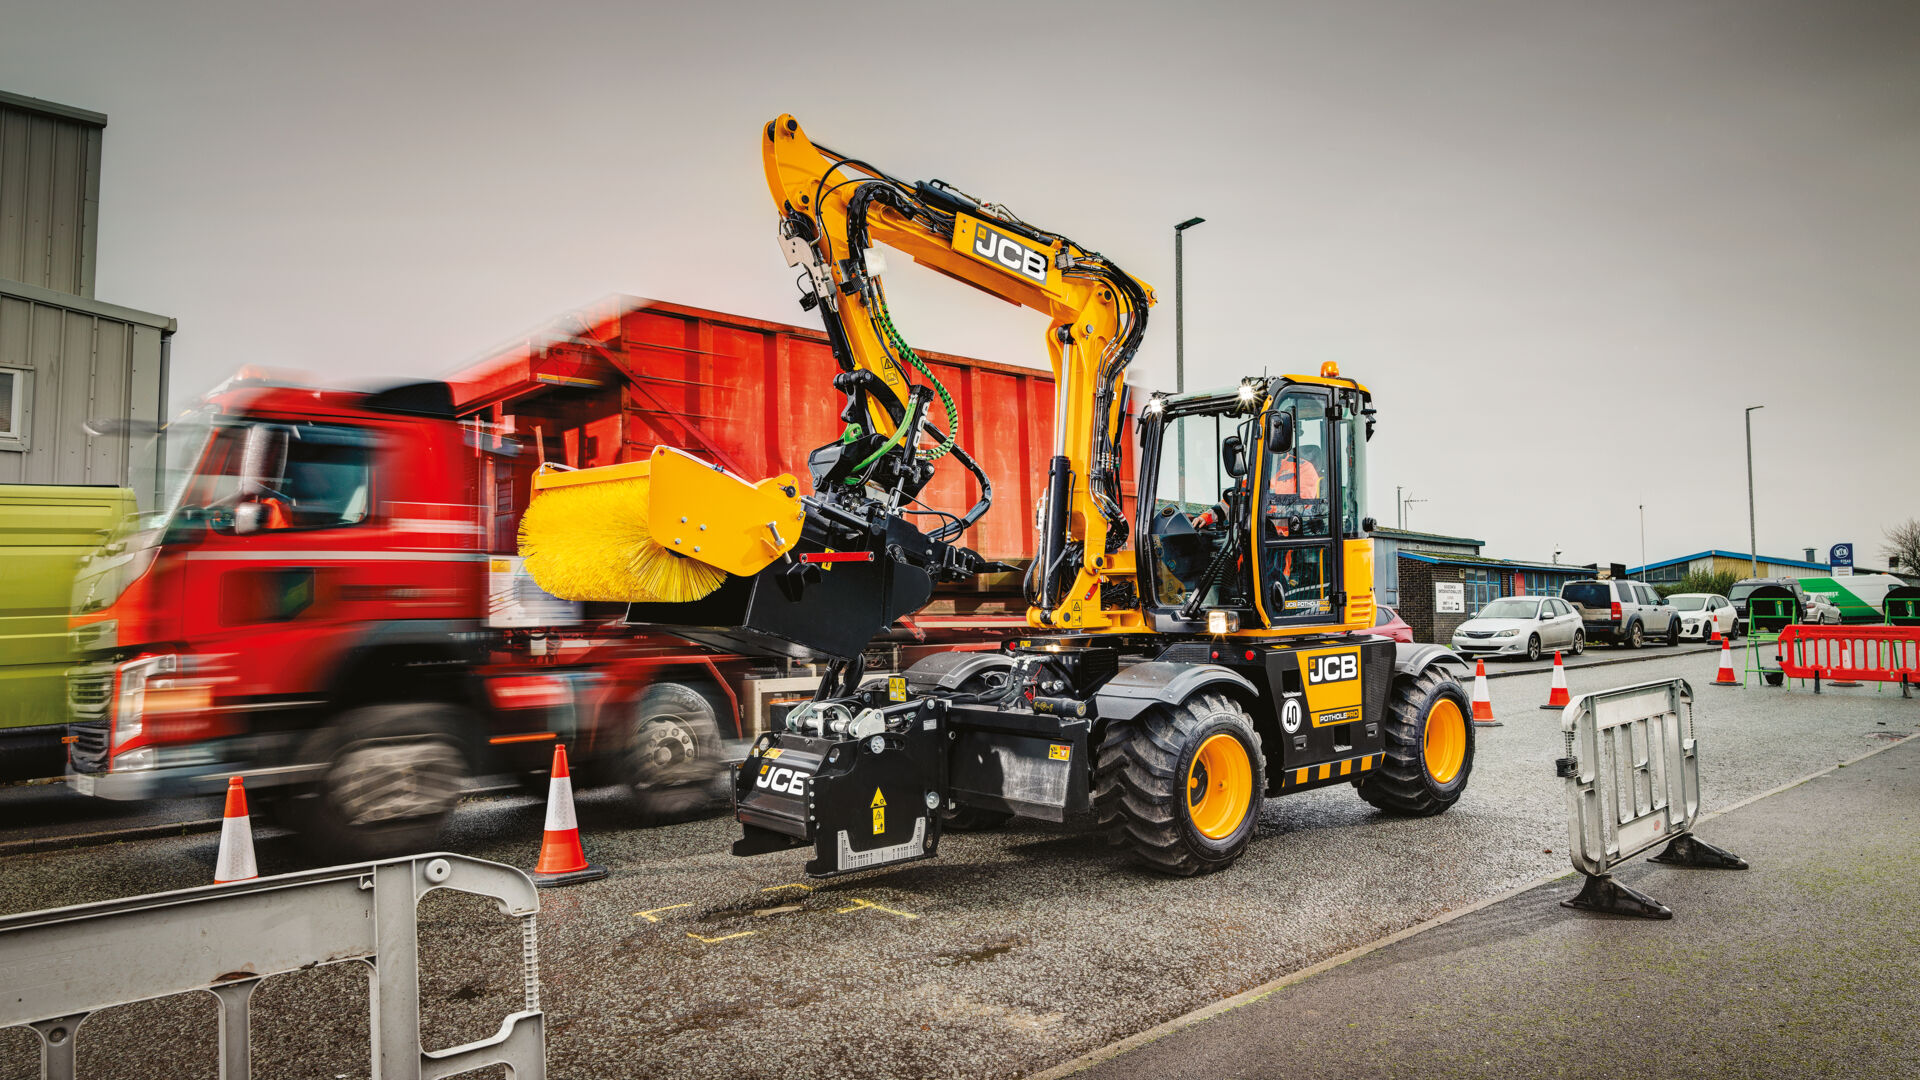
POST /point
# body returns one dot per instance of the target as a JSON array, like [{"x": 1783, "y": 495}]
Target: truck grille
[
  {"x": 88, "y": 751},
  {"x": 88, "y": 689},
  {"x": 1188, "y": 652}
]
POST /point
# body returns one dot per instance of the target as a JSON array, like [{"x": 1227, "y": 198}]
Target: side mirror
[
  {"x": 1279, "y": 432},
  {"x": 1233, "y": 457},
  {"x": 263, "y": 458}
]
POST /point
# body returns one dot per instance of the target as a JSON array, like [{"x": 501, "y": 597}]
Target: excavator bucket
[{"x": 670, "y": 529}]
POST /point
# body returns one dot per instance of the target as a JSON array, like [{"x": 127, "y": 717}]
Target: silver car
[{"x": 1522, "y": 626}]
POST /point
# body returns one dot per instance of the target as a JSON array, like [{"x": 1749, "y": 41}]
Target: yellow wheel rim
[
  {"x": 1446, "y": 740},
  {"x": 1219, "y": 787}
]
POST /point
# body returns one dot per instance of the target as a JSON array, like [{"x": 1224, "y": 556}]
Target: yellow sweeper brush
[{"x": 666, "y": 530}]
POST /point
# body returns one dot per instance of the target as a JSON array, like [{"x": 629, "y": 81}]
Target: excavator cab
[{"x": 1255, "y": 506}]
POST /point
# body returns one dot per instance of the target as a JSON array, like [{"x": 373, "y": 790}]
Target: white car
[
  {"x": 1821, "y": 610},
  {"x": 1703, "y": 613},
  {"x": 1522, "y": 626}
]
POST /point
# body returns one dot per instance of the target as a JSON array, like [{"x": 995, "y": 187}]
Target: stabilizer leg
[
  {"x": 1689, "y": 850},
  {"x": 1608, "y": 897}
]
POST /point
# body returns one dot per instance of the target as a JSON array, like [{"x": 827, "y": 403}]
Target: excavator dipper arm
[{"x": 833, "y": 211}]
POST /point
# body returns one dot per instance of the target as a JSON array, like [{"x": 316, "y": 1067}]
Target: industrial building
[
  {"x": 65, "y": 356},
  {"x": 1737, "y": 563}
]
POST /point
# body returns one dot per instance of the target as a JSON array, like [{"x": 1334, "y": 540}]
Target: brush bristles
[{"x": 592, "y": 542}]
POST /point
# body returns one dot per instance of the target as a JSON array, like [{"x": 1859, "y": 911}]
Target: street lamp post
[
  {"x": 1643, "y": 540},
  {"x": 1753, "y": 541},
  {"x": 1179, "y": 309}
]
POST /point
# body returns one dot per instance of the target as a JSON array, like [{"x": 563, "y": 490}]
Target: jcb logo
[
  {"x": 1333, "y": 668},
  {"x": 1010, "y": 253},
  {"x": 783, "y": 780}
]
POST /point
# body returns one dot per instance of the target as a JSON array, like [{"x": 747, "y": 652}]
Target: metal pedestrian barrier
[
  {"x": 1839, "y": 654},
  {"x": 1633, "y": 780},
  {"x": 61, "y": 965}
]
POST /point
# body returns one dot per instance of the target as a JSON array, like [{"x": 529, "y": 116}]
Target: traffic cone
[
  {"x": 1557, "y": 697},
  {"x": 1716, "y": 637},
  {"x": 235, "y": 861},
  {"x": 1726, "y": 676},
  {"x": 1482, "y": 701},
  {"x": 562, "y": 862}
]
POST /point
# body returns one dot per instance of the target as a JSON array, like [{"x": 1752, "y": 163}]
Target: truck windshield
[{"x": 162, "y": 464}]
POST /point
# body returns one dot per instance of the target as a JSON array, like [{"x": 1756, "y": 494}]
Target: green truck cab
[{"x": 44, "y": 533}]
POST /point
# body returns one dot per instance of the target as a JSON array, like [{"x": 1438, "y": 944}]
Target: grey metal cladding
[
  {"x": 49, "y": 194},
  {"x": 1158, "y": 682}
]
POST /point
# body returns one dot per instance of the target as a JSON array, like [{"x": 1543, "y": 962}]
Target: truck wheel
[
  {"x": 1182, "y": 786},
  {"x": 1429, "y": 747},
  {"x": 672, "y": 758},
  {"x": 974, "y": 819},
  {"x": 393, "y": 775}
]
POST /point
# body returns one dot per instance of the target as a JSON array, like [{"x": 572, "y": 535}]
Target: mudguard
[
  {"x": 951, "y": 670},
  {"x": 1161, "y": 682},
  {"x": 1411, "y": 660}
]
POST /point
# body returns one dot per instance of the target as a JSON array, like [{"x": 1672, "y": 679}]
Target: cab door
[{"x": 1297, "y": 527}]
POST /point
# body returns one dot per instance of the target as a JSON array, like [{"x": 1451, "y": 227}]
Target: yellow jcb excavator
[{"x": 1193, "y": 655}]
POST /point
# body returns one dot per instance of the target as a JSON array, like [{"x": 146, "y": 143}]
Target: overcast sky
[{"x": 1564, "y": 243}]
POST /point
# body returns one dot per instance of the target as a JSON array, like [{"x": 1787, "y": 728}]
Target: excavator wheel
[
  {"x": 1181, "y": 786},
  {"x": 1429, "y": 747}
]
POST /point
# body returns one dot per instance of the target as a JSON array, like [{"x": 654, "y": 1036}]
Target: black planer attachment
[{"x": 861, "y": 779}]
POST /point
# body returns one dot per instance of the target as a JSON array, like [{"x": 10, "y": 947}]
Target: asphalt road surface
[{"x": 1013, "y": 952}]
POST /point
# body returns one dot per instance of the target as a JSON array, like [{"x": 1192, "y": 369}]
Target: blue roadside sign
[{"x": 1840, "y": 555}]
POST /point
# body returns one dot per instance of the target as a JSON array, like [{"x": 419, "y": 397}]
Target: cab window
[
  {"x": 268, "y": 477},
  {"x": 1190, "y": 519}
]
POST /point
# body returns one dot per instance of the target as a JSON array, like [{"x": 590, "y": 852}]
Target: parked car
[
  {"x": 1820, "y": 610},
  {"x": 1703, "y": 613},
  {"x": 1745, "y": 586},
  {"x": 1521, "y": 626},
  {"x": 1388, "y": 623},
  {"x": 1622, "y": 612}
]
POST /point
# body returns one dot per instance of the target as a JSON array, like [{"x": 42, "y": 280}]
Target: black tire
[
  {"x": 671, "y": 759},
  {"x": 1636, "y": 636},
  {"x": 1579, "y": 642},
  {"x": 393, "y": 775},
  {"x": 1673, "y": 634},
  {"x": 1774, "y": 678},
  {"x": 1141, "y": 778},
  {"x": 1533, "y": 646},
  {"x": 1404, "y": 784},
  {"x": 974, "y": 819}
]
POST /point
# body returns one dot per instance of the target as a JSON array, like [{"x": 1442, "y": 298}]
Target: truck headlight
[{"x": 130, "y": 694}]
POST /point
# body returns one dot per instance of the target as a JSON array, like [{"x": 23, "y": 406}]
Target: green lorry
[{"x": 44, "y": 532}]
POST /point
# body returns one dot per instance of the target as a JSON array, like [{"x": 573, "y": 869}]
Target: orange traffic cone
[
  {"x": 1482, "y": 701},
  {"x": 1716, "y": 637},
  {"x": 1726, "y": 676},
  {"x": 562, "y": 862},
  {"x": 1557, "y": 697},
  {"x": 235, "y": 861}
]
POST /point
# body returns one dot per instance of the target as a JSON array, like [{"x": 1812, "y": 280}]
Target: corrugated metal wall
[
  {"x": 81, "y": 359},
  {"x": 49, "y": 193}
]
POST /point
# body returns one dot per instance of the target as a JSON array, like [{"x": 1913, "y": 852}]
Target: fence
[
  {"x": 64, "y": 964},
  {"x": 1839, "y": 654},
  {"x": 1633, "y": 780}
]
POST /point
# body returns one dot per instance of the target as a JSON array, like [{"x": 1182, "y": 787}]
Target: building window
[
  {"x": 14, "y": 386},
  {"x": 1482, "y": 587},
  {"x": 1532, "y": 583}
]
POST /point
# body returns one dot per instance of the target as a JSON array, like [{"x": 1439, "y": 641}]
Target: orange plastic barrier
[{"x": 1889, "y": 654}]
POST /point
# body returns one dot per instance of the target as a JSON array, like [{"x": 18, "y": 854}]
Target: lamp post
[
  {"x": 1753, "y": 542},
  {"x": 1643, "y": 540},
  {"x": 1179, "y": 309}
]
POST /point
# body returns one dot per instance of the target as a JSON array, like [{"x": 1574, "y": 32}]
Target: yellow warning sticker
[
  {"x": 878, "y": 799},
  {"x": 879, "y": 820},
  {"x": 771, "y": 752},
  {"x": 896, "y": 688},
  {"x": 1059, "y": 753},
  {"x": 764, "y": 768},
  {"x": 499, "y": 566}
]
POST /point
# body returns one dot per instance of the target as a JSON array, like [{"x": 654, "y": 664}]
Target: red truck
[{"x": 320, "y": 593}]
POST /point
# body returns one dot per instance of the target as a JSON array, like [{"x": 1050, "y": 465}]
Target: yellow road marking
[
  {"x": 651, "y": 915},
  {"x": 795, "y": 885},
  {"x": 858, "y": 904},
  {"x": 718, "y": 940}
]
